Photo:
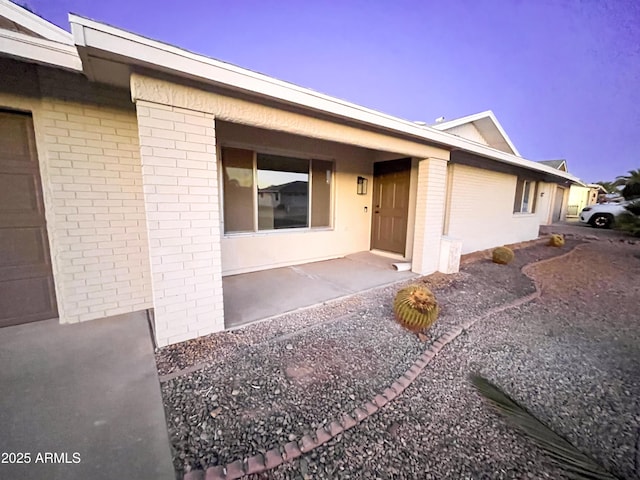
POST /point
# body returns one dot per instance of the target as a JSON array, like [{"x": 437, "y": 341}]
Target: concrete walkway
[
  {"x": 258, "y": 295},
  {"x": 88, "y": 389}
]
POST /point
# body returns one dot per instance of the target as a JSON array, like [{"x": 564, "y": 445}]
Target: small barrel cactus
[
  {"x": 556, "y": 240},
  {"x": 502, "y": 255},
  {"x": 415, "y": 308}
]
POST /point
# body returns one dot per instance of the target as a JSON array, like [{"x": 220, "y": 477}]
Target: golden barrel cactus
[
  {"x": 502, "y": 255},
  {"x": 416, "y": 308},
  {"x": 556, "y": 240}
]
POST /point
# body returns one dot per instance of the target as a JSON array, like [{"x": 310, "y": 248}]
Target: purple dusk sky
[{"x": 562, "y": 76}]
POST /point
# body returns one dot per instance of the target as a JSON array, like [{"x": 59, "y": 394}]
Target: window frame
[
  {"x": 524, "y": 184},
  {"x": 256, "y": 150}
]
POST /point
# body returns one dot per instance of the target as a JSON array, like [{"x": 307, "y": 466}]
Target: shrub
[
  {"x": 556, "y": 240},
  {"x": 628, "y": 222},
  {"x": 502, "y": 255},
  {"x": 415, "y": 308}
]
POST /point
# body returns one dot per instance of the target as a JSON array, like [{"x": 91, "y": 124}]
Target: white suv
[{"x": 602, "y": 215}]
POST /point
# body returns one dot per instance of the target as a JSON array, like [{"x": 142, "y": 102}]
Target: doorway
[{"x": 391, "y": 181}]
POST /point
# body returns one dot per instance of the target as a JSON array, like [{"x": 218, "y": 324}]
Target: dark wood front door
[
  {"x": 390, "y": 205},
  {"x": 26, "y": 283}
]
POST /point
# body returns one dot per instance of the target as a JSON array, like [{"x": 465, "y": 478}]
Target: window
[
  {"x": 265, "y": 192},
  {"x": 526, "y": 191}
]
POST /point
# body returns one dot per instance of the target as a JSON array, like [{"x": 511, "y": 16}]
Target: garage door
[{"x": 26, "y": 283}]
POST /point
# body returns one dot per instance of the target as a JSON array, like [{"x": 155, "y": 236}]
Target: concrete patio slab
[
  {"x": 254, "y": 296},
  {"x": 88, "y": 389}
]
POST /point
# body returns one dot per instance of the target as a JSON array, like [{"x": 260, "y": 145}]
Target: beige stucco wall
[
  {"x": 480, "y": 210},
  {"x": 351, "y": 228},
  {"x": 271, "y": 118},
  {"x": 87, "y": 143}
]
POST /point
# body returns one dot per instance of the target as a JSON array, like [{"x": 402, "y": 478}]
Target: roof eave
[
  {"x": 89, "y": 34},
  {"x": 33, "y": 22},
  {"x": 39, "y": 50}
]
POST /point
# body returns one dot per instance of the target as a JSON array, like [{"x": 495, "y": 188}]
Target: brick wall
[
  {"x": 179, "y": 175},
  {"x": 88, "y": 149},
  {"x": 430, "y": 210},
  {"x": 86, "y": 139},
  {"x": 481, "y": 210}
]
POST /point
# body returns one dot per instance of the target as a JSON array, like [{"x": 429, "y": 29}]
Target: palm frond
[{"x": 576, "y": 464}]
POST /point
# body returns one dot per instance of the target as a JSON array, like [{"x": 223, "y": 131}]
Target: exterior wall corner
[
  {"x": 180, "y": 184},
  {"x": 430, "y": 215}
]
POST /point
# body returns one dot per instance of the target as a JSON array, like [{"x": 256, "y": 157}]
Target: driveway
[
  {"x": 82, "y": 401},
  {"x": 574, "y": 228},
  {"x": 570, "y": 356}
]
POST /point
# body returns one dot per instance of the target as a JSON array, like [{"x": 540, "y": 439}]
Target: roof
[
  {"x": 557, "y": 164},
  {"x": 488, "y": 126},
  {"x": 108, "y": 54},
  {"x": 26, "y": 36}
]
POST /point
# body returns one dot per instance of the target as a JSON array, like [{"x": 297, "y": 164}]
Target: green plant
[
  {"x": 628, "y": 222},
  {"x": 556, "y": 240},
  {"x": 415, "y": 308},
  {"x": 562, "y": 452},
  {"x": 502, "y": 255},
  {"x": 630, "y": 184}
]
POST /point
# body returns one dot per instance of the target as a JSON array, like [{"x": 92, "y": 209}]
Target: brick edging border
[{"x": 277, "y": 456}]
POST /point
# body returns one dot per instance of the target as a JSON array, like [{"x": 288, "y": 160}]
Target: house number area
[{"x": 40, "y": 457}]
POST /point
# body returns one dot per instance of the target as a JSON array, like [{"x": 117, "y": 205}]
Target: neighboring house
[
  {"x": 131, "y": 173},
  {"x": 570, "y": 203},
  {"x": 580, "y": 197}
]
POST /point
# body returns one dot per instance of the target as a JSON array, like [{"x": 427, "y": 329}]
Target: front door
[
  {"x": 390, "y": 205},
  {"x": 557, "y": 205},
  {"x": 26, "y": 283}
]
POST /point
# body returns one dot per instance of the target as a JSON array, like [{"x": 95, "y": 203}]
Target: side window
[{"x": 525, "y": 198}]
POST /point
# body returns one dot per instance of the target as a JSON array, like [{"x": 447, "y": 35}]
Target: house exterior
[
  {"x": 506, "y": 204},
  {"x": 135, "y": 175},
  {"x": 580, "y": 197},
  {"x": 577, "y": 197}
]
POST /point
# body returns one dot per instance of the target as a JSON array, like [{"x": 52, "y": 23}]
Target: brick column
[
  {"x": 179, "y": 178},
  {"x": 430, "y": 213}
]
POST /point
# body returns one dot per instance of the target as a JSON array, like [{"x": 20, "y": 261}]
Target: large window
[
  {"x": 525, "y": 196},
  {"x": 270, "y": 192}
]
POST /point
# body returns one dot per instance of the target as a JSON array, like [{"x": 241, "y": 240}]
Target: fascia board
[
  {"x": 34, "y": 23},
  {"x": 99, "y": 37},
  {"x": 39, "y": 50}
]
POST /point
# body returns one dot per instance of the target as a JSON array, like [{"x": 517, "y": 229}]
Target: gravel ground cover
[
  {"x": 272, "y": 382},
  {"x": 571, "y": 358}
]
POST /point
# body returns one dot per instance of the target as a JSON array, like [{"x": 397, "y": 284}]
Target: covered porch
[{"x": 255, "y": 296}]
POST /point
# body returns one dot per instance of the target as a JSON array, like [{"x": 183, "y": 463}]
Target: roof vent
[{"x": 439, "y": 119}]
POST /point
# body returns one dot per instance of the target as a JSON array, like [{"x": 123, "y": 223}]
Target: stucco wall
[
  {"x": 269, "y": 117},
  {"x": 480, "y": 210},
  {"x": 87, "y": 143},
  {"x": 351, "y": 229}
]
